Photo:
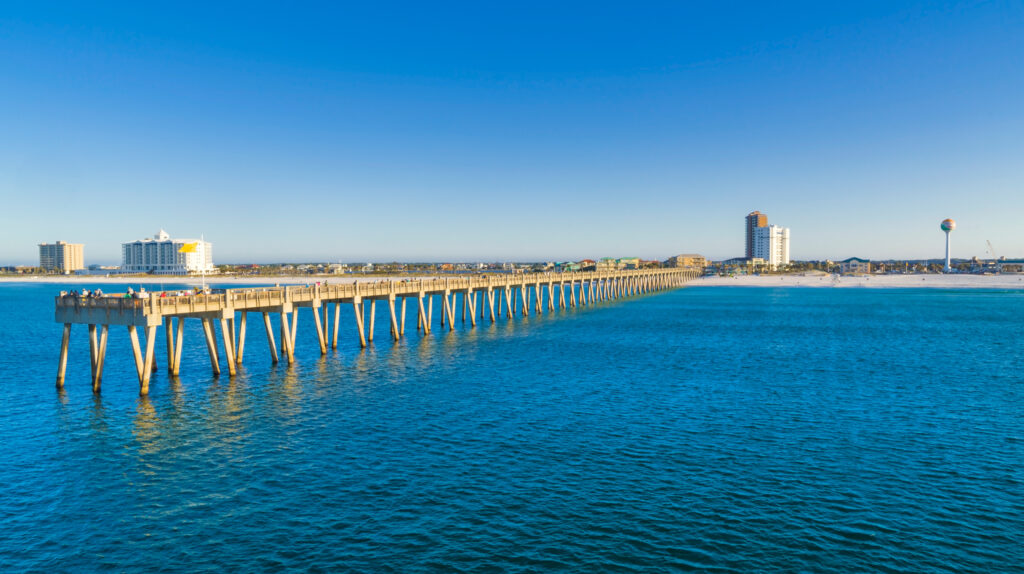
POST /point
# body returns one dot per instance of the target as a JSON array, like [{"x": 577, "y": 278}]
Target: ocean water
[{"x": 708, "y": 429}]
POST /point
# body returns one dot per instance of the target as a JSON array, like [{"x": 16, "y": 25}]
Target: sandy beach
[
  {"x": 936, "y": 281},
  {"x": 1007, "y": 281}
]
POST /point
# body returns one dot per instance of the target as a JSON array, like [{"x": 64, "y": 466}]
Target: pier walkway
[{"x": 481, "y": 296}]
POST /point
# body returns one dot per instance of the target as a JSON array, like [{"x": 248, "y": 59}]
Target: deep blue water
[{"x": 720, "y": 429}]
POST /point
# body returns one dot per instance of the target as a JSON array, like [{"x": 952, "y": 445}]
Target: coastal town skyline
[
  {"x": 766, "y": 248},
  {"x": 639, "y": 131}
]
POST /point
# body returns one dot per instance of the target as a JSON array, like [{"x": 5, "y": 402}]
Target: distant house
[
  {"x": 628, "y": 263},
  {"x": 607, "y": 264},
  {"x": 855, "y": 265},
  {"x": 588, "y": 265}
]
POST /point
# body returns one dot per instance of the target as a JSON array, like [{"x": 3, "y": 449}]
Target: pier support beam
[
  {"x": 211, "y": 345},
  {"x": 401, "y": 328},
  {"x": 430, "y": 314},
  {"x": 448, "y": 310},
  {"x": 373, "y": 319},
  {"x": 294, "y": 331},
  {"x": 101, "y": 358},
  {"x": 320, "y": 336},
  {"x": 147, "y": 367},
  {"x": 62, "y": 364},
  {"x": 133, "y": 337},
  {"x": 287, "y": 350},
  {"x": 395, "y": 333},
  {"x": 337, "y": 324},
  {"x": 270, "y": 338},
  {"x": 325, "y": 309},
  {"x": 143, "y": 364},
  {"x": 357, "y": 307},
  {"x": 490, "y": 302},
  {"x": 240, "y": 345},
  {"x": 169, "y": 334},
  {"x": 179, "y": 339},
  {"x": 421, "y": 316},
  {"x": 229, "y": 346},
  {"x": 509, "y": 301},
  {"x": 97, "y": 353},
  {"x": 451, "y": 310},
  {"x": 93, "y": 354}
]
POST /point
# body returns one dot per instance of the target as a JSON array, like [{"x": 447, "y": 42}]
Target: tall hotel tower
[
  {"x": 768, "y": 242},
  {"x": 754, "y": 221}
]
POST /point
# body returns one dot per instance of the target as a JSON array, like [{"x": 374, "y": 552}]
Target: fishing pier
[{"x": 481, "y": 296}]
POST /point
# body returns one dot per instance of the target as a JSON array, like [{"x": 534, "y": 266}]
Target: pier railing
[{"x": 163, "y": 303}]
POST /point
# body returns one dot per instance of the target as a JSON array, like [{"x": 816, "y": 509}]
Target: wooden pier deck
[{"x": 482, "y": 296}]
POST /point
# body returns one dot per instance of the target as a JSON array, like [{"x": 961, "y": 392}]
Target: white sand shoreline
[
  {"x": 935, "y": 281},
  {"x": 1008, "y": 281}
]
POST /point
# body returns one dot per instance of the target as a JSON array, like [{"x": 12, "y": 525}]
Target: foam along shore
[{"x": 937, "y": 281}]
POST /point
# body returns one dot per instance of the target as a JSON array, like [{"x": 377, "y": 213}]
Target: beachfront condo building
[
  {"x": 165, "y": 256},
  {"x": 771, "y": 243},
  {"x": 62, "y": 257},
  {"x": 687, "y": 261},
  {"x": 755, "y": 220}
]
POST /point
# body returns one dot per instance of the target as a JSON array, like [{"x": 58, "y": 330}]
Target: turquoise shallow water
[{"x": 719, "y": 429}]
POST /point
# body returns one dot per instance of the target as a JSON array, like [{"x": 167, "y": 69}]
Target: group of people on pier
[
  {"x": 132, "y": 293},
  {"x": 85, "y": 294}
]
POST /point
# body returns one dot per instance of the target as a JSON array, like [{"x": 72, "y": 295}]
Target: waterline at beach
[{"x": 938, "y": 281}]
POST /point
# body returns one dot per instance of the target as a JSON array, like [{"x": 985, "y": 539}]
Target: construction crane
[{"x": 995, "y": 260}]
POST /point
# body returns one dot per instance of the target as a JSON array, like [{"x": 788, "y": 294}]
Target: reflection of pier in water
[{"x": 481, "y": 296}]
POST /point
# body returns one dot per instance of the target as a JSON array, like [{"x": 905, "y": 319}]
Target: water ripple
[{"x": 725, "y": 430}]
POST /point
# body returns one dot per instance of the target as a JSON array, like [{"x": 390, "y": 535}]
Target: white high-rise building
[
  {"x": 163, "y": 255},
  {"x": 771, "y": 243}
]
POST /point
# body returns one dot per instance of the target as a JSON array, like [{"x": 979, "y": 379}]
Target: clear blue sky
[{"x": 525, "y": 131}]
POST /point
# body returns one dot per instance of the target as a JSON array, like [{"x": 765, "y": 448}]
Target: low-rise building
[
  {"x": 855, "y": 265},
  {"x": 687, "y": 261},
  {"x": 628, "y": 263},
  {"x": 744, "y": 265}
]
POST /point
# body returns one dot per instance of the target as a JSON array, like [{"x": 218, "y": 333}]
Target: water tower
[{"x": 947, "y": 225}]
